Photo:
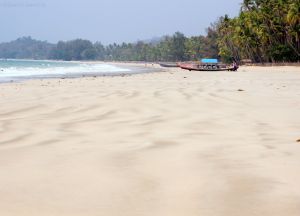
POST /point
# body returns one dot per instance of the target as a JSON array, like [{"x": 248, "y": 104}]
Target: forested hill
[
  {"x": 176, "y": 47},
  {"x": 25, "y": 48}
]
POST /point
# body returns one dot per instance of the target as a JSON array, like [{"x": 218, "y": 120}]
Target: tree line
[
  {"x": 264, "y": 31},
  {"x": 176, "y": 47}
]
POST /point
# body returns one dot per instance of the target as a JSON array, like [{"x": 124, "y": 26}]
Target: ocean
[{"x": 14, "y": 70}]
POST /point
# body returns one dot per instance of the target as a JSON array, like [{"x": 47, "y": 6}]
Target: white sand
[{"x": 153, "y": 145}]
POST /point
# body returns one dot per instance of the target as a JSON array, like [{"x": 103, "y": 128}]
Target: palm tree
[{"x": 293, "y": 19}]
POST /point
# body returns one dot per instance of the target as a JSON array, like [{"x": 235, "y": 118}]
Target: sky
[{"x": 109, "y": 21}]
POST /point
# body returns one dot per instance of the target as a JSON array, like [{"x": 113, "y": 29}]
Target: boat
[
  {"x": 171, "y": 64},
  {"x": 199, "y": 67},
  {"x": 208, "y": 65}
]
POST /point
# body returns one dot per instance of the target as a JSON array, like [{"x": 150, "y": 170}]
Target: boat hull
[
  {"x": 168, "y": 65},
  {"x": 205, "y": 67}
]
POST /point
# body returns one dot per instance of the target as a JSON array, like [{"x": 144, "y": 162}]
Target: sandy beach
[{"x": 171, "y": 143}]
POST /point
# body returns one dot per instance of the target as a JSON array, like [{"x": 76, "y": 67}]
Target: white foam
[{"x": 51, "y": 70}]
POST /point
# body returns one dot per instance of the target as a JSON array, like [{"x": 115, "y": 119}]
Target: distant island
[{"x": 264, "y": 31}]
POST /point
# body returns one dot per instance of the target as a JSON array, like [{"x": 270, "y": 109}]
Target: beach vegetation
[
  {"x": 264, "y": 31},
  {"x": 74, "y": 50}
]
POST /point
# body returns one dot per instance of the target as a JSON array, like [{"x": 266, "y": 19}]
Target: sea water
[{"x": 11, "y": 70}]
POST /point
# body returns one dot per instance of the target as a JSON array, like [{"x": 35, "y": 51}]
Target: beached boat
[
  {"x": 199, "y": 67},
  {"x": 208, "y": 65},
  {"x": 172, "y": 64}
]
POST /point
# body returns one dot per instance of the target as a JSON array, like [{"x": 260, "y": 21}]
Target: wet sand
[{"x": 174, "y": 143}]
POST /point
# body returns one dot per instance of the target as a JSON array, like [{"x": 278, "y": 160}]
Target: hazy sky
[{"x": 109, "y": 20}]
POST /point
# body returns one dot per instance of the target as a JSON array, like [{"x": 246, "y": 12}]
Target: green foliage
[
  {"x": 264, "y": 31},
  {"x": 74, "y": 50},
  {"x": 170, "y": 48},
  {"x": 25, "y": 48}
]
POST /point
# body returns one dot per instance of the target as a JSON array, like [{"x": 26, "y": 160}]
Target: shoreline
[
  {"x": 133, "y": 69},
  {"x": 144, "y": 67}
]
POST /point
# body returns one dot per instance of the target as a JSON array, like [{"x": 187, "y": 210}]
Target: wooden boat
[
  {"x": 207, "y": 67},
  {"x": 172, "y": 64}
]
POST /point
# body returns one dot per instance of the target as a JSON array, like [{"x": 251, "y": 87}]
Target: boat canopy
[{"x": 209, "y": 61}]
